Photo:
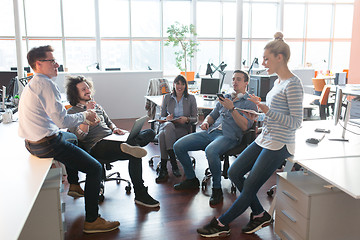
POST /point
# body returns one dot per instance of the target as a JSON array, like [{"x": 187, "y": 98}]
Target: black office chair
[
  {"x": 248, "y": 137},
  {"x": 109, "y": 177}
]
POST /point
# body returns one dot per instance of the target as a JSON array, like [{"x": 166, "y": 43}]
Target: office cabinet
[
  {"x": 46, "y": 219},
  {"x": 307, "y": 207}
]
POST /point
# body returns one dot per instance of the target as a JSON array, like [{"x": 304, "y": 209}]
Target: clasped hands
[{"x": 92, "y": 118}]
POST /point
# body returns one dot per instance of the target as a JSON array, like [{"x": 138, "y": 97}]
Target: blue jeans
[
  {"x": 63, "y": 149},
  {"x": 261, "y": 163},
  {"x": 214, "y": 144}
]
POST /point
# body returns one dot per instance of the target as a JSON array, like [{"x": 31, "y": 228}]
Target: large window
[{"x": 130, "y": 34}]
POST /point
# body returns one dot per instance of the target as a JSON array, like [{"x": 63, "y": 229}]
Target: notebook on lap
[{"x": 136, "y": 128}]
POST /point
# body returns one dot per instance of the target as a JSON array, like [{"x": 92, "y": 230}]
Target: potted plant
[{"x": 182, "y": 36}]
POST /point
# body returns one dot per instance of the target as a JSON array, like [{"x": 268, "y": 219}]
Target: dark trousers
[{"x": 63, "y": 149}]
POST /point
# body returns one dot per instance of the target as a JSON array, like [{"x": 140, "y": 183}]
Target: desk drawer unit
[
  {"x": 284, "y": 231},
  {"x": 307, "y": 210},
  {"x": 46, "y": 220}
]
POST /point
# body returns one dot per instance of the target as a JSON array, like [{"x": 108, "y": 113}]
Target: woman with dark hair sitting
[{"x": 178, "y": 111}]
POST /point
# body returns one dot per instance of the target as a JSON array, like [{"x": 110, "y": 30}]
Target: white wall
[{"x": 121, "y": 93}]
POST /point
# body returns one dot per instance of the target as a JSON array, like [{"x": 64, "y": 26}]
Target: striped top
[{"x": 284, "y": 116}]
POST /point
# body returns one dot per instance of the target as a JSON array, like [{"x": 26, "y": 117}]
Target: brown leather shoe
[
  {"x": 75, "y": 191},
  {"x": 100, "y": 225}
]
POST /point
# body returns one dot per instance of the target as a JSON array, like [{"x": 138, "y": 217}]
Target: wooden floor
[{"x": 179, "y": 214}]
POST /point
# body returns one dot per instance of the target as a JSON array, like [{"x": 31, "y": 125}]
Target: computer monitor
[
  {"x": 210, "y": 86},
  {"x": 5, "y": 77},
  {"x": 338, "y": 105},
  {"x": 338, "y": 114}
]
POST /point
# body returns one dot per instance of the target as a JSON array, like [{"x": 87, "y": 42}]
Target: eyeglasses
[{"x": 53, "y": 61}]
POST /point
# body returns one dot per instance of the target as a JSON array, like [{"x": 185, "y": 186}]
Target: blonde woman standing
[{"x": 282, "y": 116}]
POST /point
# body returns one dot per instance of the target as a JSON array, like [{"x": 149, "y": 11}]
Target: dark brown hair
[
  {"x": 38, "y": 53},
  {"x": 181, "y": 78},
  {"x": 246, "y": 75},
  {"x": 72, "y": 92}
]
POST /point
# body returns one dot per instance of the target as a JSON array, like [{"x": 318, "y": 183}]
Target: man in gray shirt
[{"x": 79, "y": 93}]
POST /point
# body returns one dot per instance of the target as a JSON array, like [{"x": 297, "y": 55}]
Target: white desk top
[
  {"x": 22, "y": 176},
  {"x": 348, "y": 89},
  {"x": 326, "y": 148},
  {"x": 341, "y": 172},
  {"x": 201, "y": 103}
]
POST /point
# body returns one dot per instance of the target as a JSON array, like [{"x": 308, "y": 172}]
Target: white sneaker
[{"x": 135, "y": 151}]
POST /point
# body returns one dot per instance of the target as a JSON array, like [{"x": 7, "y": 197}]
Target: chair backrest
[
  {"x": 325, "y": 96},
  {"x": 157, "y": 86},
  {"x": 319, "y": 84}
]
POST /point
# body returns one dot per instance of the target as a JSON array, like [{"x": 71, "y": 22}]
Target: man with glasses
[{"x": 41, "y": 114}]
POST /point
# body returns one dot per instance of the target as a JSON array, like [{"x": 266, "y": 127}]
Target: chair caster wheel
[
  {"x": 151, "y": 162},
  {"x": 233, "y": 189},
  {"x": 101, "y": 198},
  {"x": 128, "y": 189},
  {"x": 270, "y": 192}
]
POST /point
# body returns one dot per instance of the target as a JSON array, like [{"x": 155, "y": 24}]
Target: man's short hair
[
  {"x": 72, "y": 92},
  {"x": 246, "y": 75},
  {"x": 38, "y": 53}
]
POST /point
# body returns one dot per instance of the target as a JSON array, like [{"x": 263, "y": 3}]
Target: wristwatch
[{"x": 231, "y": 110}]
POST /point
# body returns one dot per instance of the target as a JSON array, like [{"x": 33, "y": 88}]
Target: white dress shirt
[{"x": 41, "y": 112}]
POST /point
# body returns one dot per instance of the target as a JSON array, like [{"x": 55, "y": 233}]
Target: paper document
[
  {"x": 248, "y": 110},
  {"x": 163, "y": 120}
]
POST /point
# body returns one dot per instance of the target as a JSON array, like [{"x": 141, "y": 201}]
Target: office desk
[
  {"x": 342, "y": 172},
  {"x": 305, "y": 209},
  {"x": 348, "y": 89},
  {"x": 22, "y": 176},
  {"x": 201, "y": 103},
  {"x": 325, "y": 149}
]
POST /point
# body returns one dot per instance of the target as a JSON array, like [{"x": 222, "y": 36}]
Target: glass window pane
[
  {"x": 115, "y": 54},
  {"x": 175, "y": 11},
  {"x": 114, "y": 18},
  {"x": 80, "y": 55},
  {"x": 7, "y": 16},
  {"x": 79, "y": 18},
  {"x": 317, "y": 55},
  {"x": 245, "y": 25},
  {"x": 296, "y": 55},
  {"x": 146, "y": 53},
  {"x": 319, "y": 21},
  {"x": 48, "y": 15},
  {"x": 229, "y": 17},
  {"x": 294, "y": 15},
  {"x": 343, "y": 21},
  {"x": 169, "y": 61},
  {"x": 257, "y": 51},
  {"x": 264, "y": 23},
  {"x": 8, "y": 55},
  {"x": 340, "y": 56},
  {"x": 209, "y": 52},
  {"x": 245, "y": 60},
  {"x": 56, "y": 44},
  {"x": 208, "y": 19},
  {"x": 145, "y": 18},
  {"x": 229, "y": 54}
]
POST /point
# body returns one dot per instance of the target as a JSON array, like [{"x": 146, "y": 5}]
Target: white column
[
  {"x": 18, "y": 39},
  {"x": 238, "y": 37},
  {"x": 97, "y": 34}
]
